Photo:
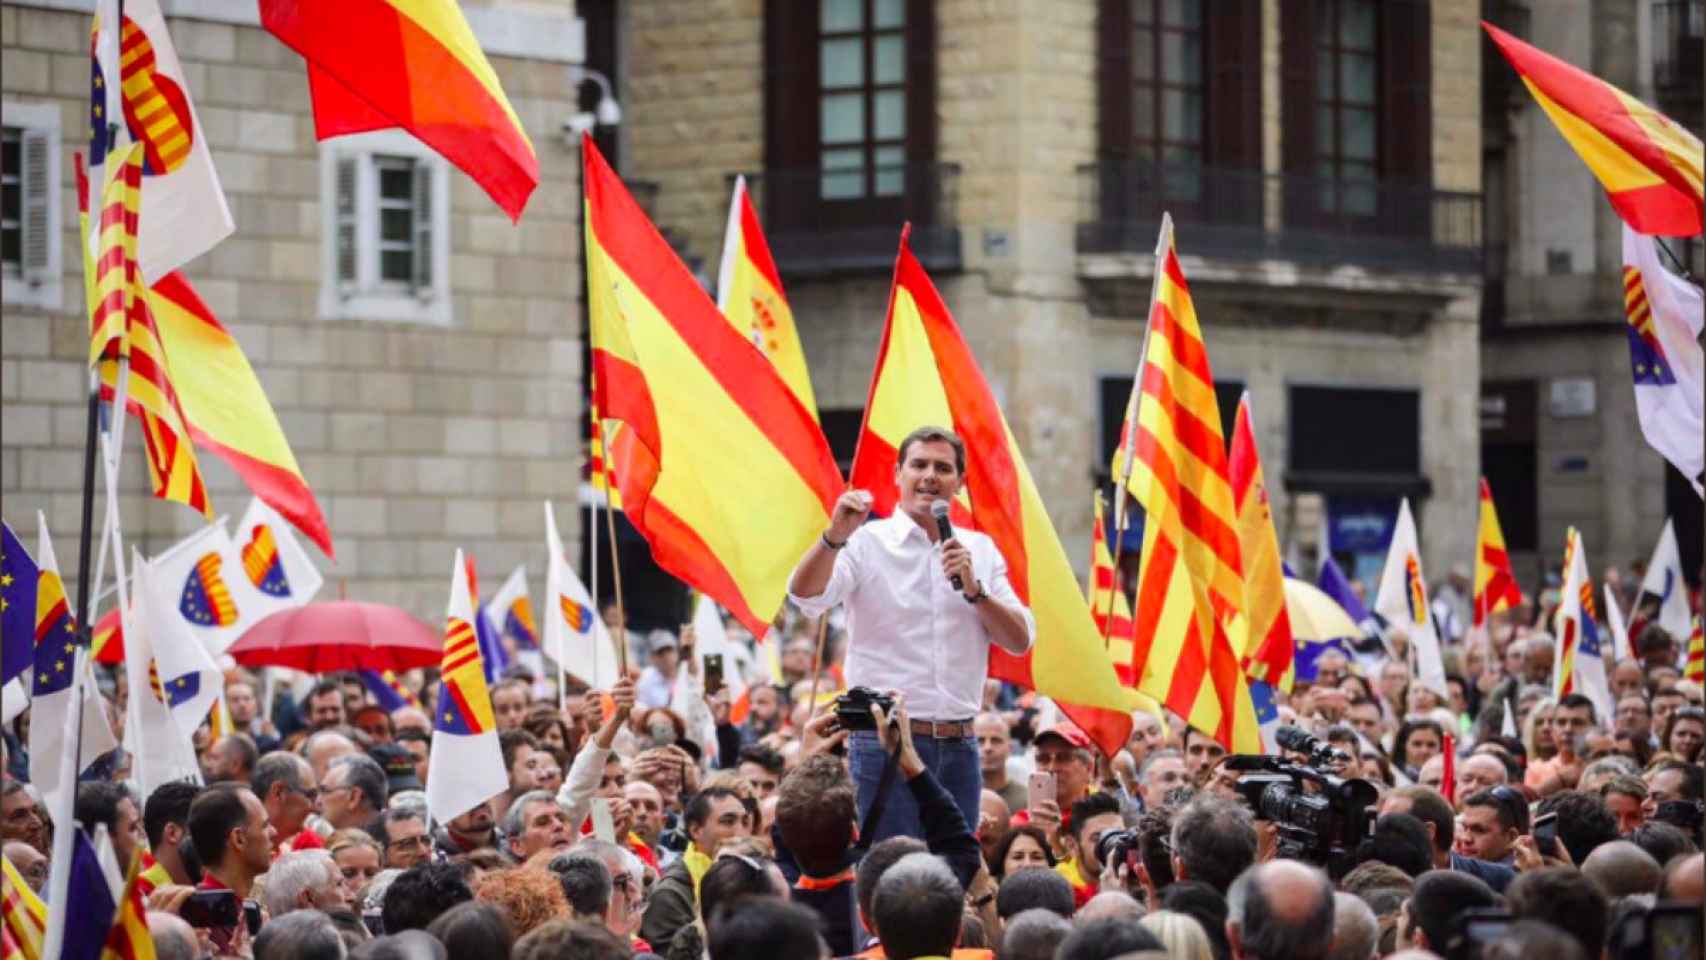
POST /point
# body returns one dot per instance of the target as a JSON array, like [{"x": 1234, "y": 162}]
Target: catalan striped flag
[
  {"x": 1695, "y": 667},
  {"x": 111, "y": 280},
  {"x": 707, "y": 427},
  {"x": 1173, "y": 458},
  {"x": 1267, "y": 648},
  {"x": 1495, "y": 584},
  {"x": 414, "y": 64},
  {"x": 599, "y": 471},
  {"x": 926, "y": 373},
  {"x": 749, "y": 293},
  {"x": 23, "y": 916},
  {"x": 128, "y": 938},
  {"x": 1107, "y": 598},
  {"x": 466, "y": 766},
  {"x": 1579, "y": 661},
  {"x": 1649, "y": 164}
]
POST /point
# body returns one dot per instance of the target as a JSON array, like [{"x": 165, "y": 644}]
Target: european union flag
[
  {"x": 18, "y": 575},
  {"x": 183, "y": 689}
]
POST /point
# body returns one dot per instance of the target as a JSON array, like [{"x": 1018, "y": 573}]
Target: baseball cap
[
  {"x": 1068, "y": 732},
  {"x": 399, "y": 766},
  {"x": 659, "y": 640}
]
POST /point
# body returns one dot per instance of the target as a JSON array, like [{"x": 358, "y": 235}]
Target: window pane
[
  {"x": 395, "y": 224},
  {"x": 397, "y": 265},
  {"x": 1181, "y": 115},
  {"x": 1356, "y": 78},
  {"x": 841, "y": 15},
  {"x": 841, "y": 63},
  {"x": 1358, "y": 141},
  {"x": 1183, "y": 173},
  {"x": 1358, "y": 198},
  {"x": 889, "y": 113},
  {"x": 889, "y": 65},
  {"x": 1324, "y": 22},
  {"x": 1356, "y": 24},
  {"x": 396, "y": 182},
  {"x": 844, "y": 174},
  {"x": 11, "y": 200},
  {"x": 843, "y": 118},
  {"x": 1183, "y": 13},
  {"x": 1324, "y": 75},
  {"x": 1143, "y": 112},
  {"x": 889, "y": 14},
  {"x": 10, "y": 145},
  {"x": 1142, "y": 55},
  {"x": 1181, "y": 57},
  {"x": 11, "y": 245},
  {"x": 890, "y": 171},
  {"x": 1325, "y": 137}
]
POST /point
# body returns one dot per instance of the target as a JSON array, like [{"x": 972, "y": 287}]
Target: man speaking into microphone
[{"x": 924, "y": 602}]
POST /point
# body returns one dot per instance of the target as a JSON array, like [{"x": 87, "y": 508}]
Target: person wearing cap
[
  {"x": 1065, "y": 752},
  {"x": 910, "y": 629},
  {"x": 657, "y": 682},
  {"x": 399, "y": 766}
]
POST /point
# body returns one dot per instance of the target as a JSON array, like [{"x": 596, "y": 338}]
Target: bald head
[
  {"x": 324, "y": 747},
  {"x": 173, "y": 938},
  {"x": 1477, "y": 773},
  {"x": 1356, "y": 932},
  {"x": 1620, "y": 868},
  {"x": 1685, "y": 879},
  {"x": 1281, "y": 910},
  {"x": 1109, "y": 904}
]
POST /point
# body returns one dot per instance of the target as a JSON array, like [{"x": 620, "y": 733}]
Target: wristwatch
[{"x": 980, "y": 596}]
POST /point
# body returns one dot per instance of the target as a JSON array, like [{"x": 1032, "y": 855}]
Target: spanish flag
[
  {"x": 720, "y": 466},
  {"x": 414, "y": 64},
  {"x": 1267, "y": 647},
  {"x": 1648, "y": 163},
  {"x": 749, "y": 293},
  {"x": 1173, "y": 460},
  {"x": 926, "y": 373},
  {"x": 1495, "y": 584}
]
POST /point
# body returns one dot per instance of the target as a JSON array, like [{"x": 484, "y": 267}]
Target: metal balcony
[{"x": 824, "y": 222}]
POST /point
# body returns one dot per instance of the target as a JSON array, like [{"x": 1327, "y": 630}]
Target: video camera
[{"x": 1322, "y": 817}]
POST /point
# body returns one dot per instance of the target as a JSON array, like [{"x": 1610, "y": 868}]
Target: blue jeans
[{"x": 953, "y": 762}]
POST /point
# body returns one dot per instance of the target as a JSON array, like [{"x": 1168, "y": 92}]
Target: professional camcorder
[{"x": 1321, "y": 817}]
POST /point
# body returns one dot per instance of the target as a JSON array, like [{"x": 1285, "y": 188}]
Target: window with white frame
[
  {"x": 30, "y": 255},
  {"x": 385, "y": 199}
]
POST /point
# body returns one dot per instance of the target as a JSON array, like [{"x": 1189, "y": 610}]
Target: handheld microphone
[{"x": 945, "y": 531}]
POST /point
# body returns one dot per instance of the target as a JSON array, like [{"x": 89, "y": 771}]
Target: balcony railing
[
  {"x": 1679, "y": 26},
  {"x": 821, "y": 222},
  {"x": 1248, "y": 214}
]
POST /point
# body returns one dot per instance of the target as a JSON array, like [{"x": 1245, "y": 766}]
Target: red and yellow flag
[
  {"x": 598, "y": 469},
  {"x": 926, "y": 373},
  {"x": 721, "y": 468},
  {"x": 110, "y": 277},
  {"x": 749, "y": 293},
  {"x": 128, "y": 937},
  {"x": 1695, "y": 667},
  {"x": 1267, "y": 646},
  {"x": 1495, "y": 585},
  {"x": 1191, "y": 584},
  {"x": 1649, "y": 164},
  {"x": 23, "y": 916},
  {"x": 414, "y": 64},
  {"x": 1107, "y": 597}
]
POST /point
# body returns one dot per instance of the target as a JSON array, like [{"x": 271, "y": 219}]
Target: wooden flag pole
[
  {"x": 817, "y": 660},
  {"x": 615, "y": 573}
]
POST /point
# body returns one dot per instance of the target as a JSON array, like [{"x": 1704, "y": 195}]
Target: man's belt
[{"x": 942, "y": 729}]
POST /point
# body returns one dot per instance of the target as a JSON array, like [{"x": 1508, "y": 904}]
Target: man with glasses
[
  {"x": 285, "y": 784},
  {"x": 627, "y": 896},
  {"x": 403, "y": 832},
  {"x": 353, "y": 791}
]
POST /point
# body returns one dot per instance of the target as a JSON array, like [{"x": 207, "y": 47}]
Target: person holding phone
[
  {"x": 234, "y": 840},
  {"x": 923, "y": 610}
]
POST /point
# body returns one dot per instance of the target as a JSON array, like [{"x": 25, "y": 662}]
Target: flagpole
[
  {"x": 615, "y": 569},
  {"x": 1163, "y": 241},
  {"x": 592, "y": 551}
]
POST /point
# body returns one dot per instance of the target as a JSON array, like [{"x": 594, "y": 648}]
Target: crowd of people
[{"x": 622, "y": 835}]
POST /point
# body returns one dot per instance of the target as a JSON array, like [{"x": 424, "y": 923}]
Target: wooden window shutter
[
  {"x": 920, "y": 83},
  {"x": 1406, "y": 84},
  {"x": 35, "y": 222},
  {"x": 422, "y": 200},
  {"x": 344, "y": 233}
]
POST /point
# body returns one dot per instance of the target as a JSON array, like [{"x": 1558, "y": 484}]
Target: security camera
[{"x": 578, "y": 124}]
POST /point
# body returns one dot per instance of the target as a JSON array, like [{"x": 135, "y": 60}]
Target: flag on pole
[
  {"x": 1107, "y": 598},
  {"x": 186, "y": 678},
  {"x": 1268, "y": 649},
  {"x": 708, "y": 428},
  {"x": 23, "y": 917},
  {"x": 494, "y": 658},
  {"x": 1694, "y": 668},
  {"x": 128, "y": 938},
  {"x": 18, "y": 577},
  {"x": 575, "y": 635},
  {"x": 1172, "y": 459},
  {"x": 106, "y": 642},
  {"x": 54, "y": 688},
  {"x": 1448, "y": 775},
  {"x": 1621, "y": 646},
  {"x": 512, "y": 611},
  {"x": 160, "y": 752},
  {"x": 1495, "y": 584},
  {"x": 110, "y": 272},
  {"x": 414, "y": 64},
  {"x": 387, "y": 690},
  {"x": 1403, "y": 600},
  {"x": 1649, "y": 165},
  {"x": 749, "y": 294},
  {"x": 926, "y": 373},
  {"x": 89, "y": 899},
  {"x": 599, "y": 471},
  {"x": 1664, "y": 314},
  {"x": 1665, "y": 586},
  {"x": 466, "y": 767},
  {"x": 1579, "y": 666}
]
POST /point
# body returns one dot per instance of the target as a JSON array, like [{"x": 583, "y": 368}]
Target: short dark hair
[
  {"x": 565, "y": 938},
  {"x": 586, "y": 882},
  {"x": 1092, "y": 805},
  {"x": 1155, "y": 845},
  {"x": 1576, "y": 701},
  {"x": 1440, "y": 896},
  {"x": 1510, "y": 805},
  {"x": 419, "y": 894},
  {"x": 511, "y": 741},
  {"x": 1401, "y": 840},
  {"x": 1214, "y": 841},
  {"x": 880, "y": 858},
  {"x": 97, "y": 802},
  {"x": 1264, "y": 934},
  {"x": 213, "y": 815},
  {"x": 765, "y": 757},
  {"x": 758, "y": 928},
  {"x": 934, "y": 434},
  {"x": 1584, "y": 821},
  {"x": 816, "y": 814},
  {"x": 1693, "y": 777},
  {"x": 698, "y": 809},
  {"x": 169, "y": 803},
  {"x": 918, "y": 907},
  {"x": 1665, "y": 841},
  {"x": 1106, "y": 937},
  {"x": 1565, "y": 898},
  {"x": 1430, "y": 806},
  {"x": 299, "y": 935},
  {"x": 733, "y": 878},
  {"x": 320, "y": 689},
  {"x": 474, "y": 929},
  {"x": 1033, "y": 935},
  {"x": 366, "y": 775},
  {"x": 1030, "y": 889}
]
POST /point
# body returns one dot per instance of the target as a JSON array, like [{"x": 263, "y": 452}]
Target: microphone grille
[{"x": 939, "y": 508}]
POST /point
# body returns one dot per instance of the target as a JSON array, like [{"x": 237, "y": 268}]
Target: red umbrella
[{"x": 340, "y": 635}]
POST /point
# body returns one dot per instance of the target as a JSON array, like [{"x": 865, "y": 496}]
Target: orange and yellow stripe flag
[
  {"x": 1649, "y": 164},
  {"x": 128, "y": 937},
  {"x": 1694, "y": 668},
  {"x": 926, "y": 373},
  {"x": 23, "y": 916},
  {"x": 414, "y": 64},
  {"x": 749, "y": 293},
  {"x": 1266, "y": 647},
  {"x": 1107, "y": 598},
  {"x": 720, "y": 468},
  {"x": 1495, "y": 584},
  {"x": 1173, "y": 456},
  {"x": 110, "y": 270}
]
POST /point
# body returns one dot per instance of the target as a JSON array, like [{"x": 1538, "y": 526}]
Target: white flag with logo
[
  {"x": 575, "y": 635},
  {"x": 1578, "y": 662},
  {"x": 1662, "y": 314},
  {"x": 1664, "y": 584},
  {"x": 160, "y": 753},
  {"x": 188, "y": 680},
  {"x": 1403, "y": 601}
]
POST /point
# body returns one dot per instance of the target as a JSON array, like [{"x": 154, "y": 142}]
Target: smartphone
[
  {"x": 1545, "y": 833},
  {"x": 603, "y": 825},
  {"x": 1039, "y": 789},
  {"x": 212, "y": 909},
  {"x": 713, "y": 672}
]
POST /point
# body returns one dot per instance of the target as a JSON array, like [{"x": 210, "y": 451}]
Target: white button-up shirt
[{"x": 908, "y": 628}]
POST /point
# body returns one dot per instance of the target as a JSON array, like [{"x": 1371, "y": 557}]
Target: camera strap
[{"x": 874, "y": 816}]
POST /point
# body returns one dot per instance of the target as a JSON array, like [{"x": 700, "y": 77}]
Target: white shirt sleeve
[
  {"x": 585, "y": 774},
  {"x": 842, "y": 578},
  {"x": 1001, "y": 591}
]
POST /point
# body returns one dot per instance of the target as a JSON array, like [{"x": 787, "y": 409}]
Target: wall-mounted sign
[{"x": 1571, "y": 397}]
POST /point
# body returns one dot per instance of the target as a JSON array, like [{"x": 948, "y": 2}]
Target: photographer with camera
[{"x": 924, "y": 605}]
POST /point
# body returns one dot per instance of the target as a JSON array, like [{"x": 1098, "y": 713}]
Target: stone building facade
[{"x": 425, "y": 417}]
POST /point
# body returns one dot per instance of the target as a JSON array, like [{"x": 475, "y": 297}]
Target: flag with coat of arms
[
  {"x": 1578, "y": 665},
  {"x": 1663, "y": 315},
  {"x": 1403, "y": 600},
  {"x": 157, "y": 732},
  {"x": 575, "y": 635},
  {"x": 466, "y": 766}
]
